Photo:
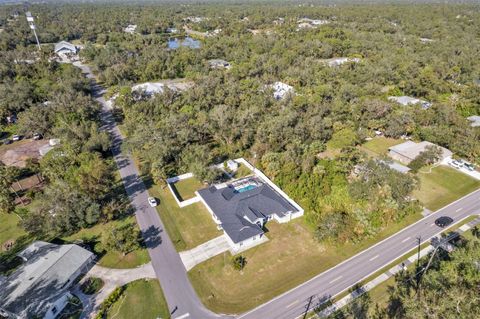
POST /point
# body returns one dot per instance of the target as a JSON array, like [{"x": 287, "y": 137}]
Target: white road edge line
[
  {"x": 363, "y": 252},
  {"x": 373, "y": 258},
  {"x": 406, "y": 239},
  {"x": 296, "y": 301},
  {"x": 338, "y": 278},
  {"x": 183, "y": 316}
]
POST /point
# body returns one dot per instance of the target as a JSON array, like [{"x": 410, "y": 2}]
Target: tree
[
  {"x": 239, "y": 262},
  {"x": 430, "y": 155},
  {"x": 7, "y": 177},
  {"x": 122, "y": 238}
]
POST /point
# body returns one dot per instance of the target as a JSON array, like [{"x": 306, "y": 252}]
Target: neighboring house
[
  {"x": 312, "y": 23},
  {"x": 396, "y": 167},
  {"x": 241, "y": 208},
  {"x": 130, "y": 28},
  {"x": 149, "y": 88},
  {"x": 426, "y": 40},
  {"x": 217, "y": 64},
  {"x": 65, "y": 48},
  {"x": 475, "y": 120},
  {"x": 281, "y": 90},
  {"x": 408, "y": 151},
  {"x": 408, "y": 100},
  {"x": 39, "y": 288},
  {"x": 339, "y": 61},
  {"x": 172, "y": 30}
]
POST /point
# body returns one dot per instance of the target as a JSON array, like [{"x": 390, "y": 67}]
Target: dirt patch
[
  {"x": 27, "y": 183},
  {"x": 17, "y": 153}
]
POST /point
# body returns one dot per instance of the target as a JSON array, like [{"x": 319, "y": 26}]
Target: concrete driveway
[{"x": 211, "y": 248}]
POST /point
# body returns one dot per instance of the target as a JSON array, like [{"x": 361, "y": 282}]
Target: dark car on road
[{"x": 443, "y": 221}]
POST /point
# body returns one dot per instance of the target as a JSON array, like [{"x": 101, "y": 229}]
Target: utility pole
[
  {"x": 419, "y": 239},
  {"x": 32, "y": 26}
]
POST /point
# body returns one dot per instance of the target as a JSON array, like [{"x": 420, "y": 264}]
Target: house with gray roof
[
  {"x": 408, "y": 151},
  {"x": 408, "y": 100},
  {"x": 241, "y": 208},
  {"x": 65, "y": 48},
  {"x": 39, "y": 288},
  {"x": 474, "y": 120}
]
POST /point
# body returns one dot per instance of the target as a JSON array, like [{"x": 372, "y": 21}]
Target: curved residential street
[
  {"x": 171, "y": 272},
  {"x": 169, "y": 269}
]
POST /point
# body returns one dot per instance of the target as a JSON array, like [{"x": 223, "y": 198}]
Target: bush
[
  {"x": 239, "y": 262},
  {"x": 92, "y": 285},
  {"x": 114, "y": 296}
]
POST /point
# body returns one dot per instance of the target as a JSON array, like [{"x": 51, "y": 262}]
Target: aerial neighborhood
[{"x": 254, "y": 160}]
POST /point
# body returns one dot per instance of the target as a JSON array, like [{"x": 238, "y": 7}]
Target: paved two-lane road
[
  {"x": 295, "y": 302},
  {"x": 169, "y": 269}
]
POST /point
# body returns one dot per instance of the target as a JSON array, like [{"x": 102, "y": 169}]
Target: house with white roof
[
  {"x": 39, "y": 288},
  {"x": 130, "y": 28},
  {"x": 281, "y": 90},
  {"x": 65, "y": 48},
  {"x": 219, "y": 64},
  {"x": 339, "y": 61},
  {"x": 408, "y": 100},
  {"x": 475, "y": 120},
  {"x": 408, "y": 151}
]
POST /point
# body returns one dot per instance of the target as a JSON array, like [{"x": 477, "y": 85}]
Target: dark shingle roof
[{"x": 231, "y": 207}]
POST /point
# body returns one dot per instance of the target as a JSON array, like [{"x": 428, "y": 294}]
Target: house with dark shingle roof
[{"x": 241, "y": 208}]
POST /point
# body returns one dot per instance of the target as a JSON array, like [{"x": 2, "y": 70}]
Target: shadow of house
[{"x": 40, "y": 286}]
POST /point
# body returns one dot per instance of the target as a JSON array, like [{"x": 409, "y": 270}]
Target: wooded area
[{"x": 306, "y": 142}]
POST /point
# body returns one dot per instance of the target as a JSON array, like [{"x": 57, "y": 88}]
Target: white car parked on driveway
[
  {"x": 455, "y": 164},
  {"x": 152, "y": 201}
]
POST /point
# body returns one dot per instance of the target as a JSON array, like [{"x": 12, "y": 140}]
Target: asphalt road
[
  {"x": 169, "y": 269},
  {"x": 179, "y": 293},
  {"x": 306, "y": 297}
]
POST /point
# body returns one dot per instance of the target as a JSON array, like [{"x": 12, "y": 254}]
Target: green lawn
[
  {"x": 242, "y": 171},
  {"x": 141, "y": 299},
  {"x": 380, "y": 145},
  {"x": 111, "y": 259},
  {"x": 9, "y": 229},
  {"x": 442, "y": 186},
  {"x": 289, "y": 258},
  {"x": 186, "y": 188},
  {"x": 187, "y": 227}
]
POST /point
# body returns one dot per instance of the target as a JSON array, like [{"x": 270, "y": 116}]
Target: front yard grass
[
  {"x": 187, "y": 227},
  {"x": 291, "y": 257},
  {"x": 9, "y": 229},
  {"x": 443, "y": 185},
  {"x": 186, "y": 188},
  {"x": 380, "y": 145},
  {"x": 141, "y": 299},
  {"x": 110, "y": 259}
]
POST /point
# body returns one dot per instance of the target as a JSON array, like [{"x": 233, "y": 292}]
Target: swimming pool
[{"x": 246, "y": 188}]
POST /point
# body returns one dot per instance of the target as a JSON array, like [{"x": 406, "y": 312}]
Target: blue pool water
[
  {"x": 187, "y": 42},
  {"x": 246, "y": 188}
]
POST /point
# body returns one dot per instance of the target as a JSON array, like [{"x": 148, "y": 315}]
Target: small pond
[{"x": 186, "y": 42}]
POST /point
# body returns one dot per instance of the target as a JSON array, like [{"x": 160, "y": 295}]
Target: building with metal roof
[
  {"x": 408, "y": 151},
  {"x": 475, "y": 120},
  {"x": 39, "y": 288},
  {"x": 408, "y": 100},
  {"x": 64, "y": 47}
]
